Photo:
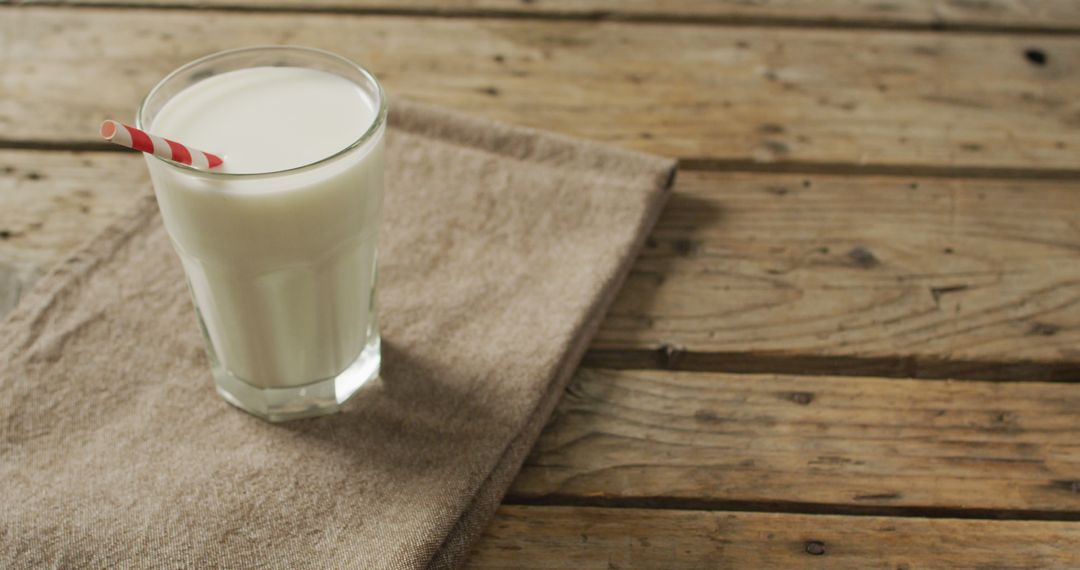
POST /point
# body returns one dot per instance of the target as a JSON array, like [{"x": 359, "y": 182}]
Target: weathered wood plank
[
  {"x": 912, "y": 276},
  {"x": 1046, "y": 14},
  {"x": 534, "y": 538},
  {"x": 917, "y": 277},
  {"x": 810, "y": 444},
  {"x": 734, "y": 95}
]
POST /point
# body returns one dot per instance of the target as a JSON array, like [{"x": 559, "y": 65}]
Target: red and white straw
[{"x": 130, "y": 137}]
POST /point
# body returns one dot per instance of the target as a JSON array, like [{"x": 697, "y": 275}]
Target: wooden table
[{"x": 853, "y": 338}]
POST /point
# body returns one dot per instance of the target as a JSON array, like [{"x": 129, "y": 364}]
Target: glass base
[{"x": 316, "y": 399}]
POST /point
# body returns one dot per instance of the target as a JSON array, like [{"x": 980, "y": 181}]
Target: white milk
[{"x": 282, "y": 266}]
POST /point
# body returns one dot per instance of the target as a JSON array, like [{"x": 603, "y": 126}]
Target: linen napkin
[{"x": 501, "y": 249}]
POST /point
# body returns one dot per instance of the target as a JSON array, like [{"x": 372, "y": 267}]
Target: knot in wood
[{"x": 815, "y": 547}]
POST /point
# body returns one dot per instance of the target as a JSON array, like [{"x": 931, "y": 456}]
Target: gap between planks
[
  {"x": 785, "y": 507},
  {"x": 706, "y": 164},
  {"x": 599, "y": 15},
  {"x": 670, "y": 357}
]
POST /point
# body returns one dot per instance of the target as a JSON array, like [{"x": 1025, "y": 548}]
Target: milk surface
[
  {"x": 266, "y": 119},
  {"x": 281, "y": 266}
]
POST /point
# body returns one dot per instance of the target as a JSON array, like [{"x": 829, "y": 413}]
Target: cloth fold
[{"x": 501, "y": 249}]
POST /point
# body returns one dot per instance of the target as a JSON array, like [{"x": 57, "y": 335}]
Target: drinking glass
[{"x": 281, "y": 265}]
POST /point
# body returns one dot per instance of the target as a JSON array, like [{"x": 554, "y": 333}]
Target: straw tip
[{"x": 108, "y": 129}]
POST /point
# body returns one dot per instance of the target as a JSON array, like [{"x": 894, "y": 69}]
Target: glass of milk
[{"x": 279, "y": 243}]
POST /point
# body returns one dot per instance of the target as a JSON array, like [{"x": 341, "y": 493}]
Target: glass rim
[{"x": 369, "y": 134}]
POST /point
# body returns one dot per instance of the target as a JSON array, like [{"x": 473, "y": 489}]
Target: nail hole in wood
[{"x": 1035, "y": 56}]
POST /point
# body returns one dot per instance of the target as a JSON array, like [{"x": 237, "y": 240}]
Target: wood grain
[
  {"x": 739, "y": 96},
  {"x": 904, "y": 276},
  {"x": 912, "y": 277},
  {"x": 949, "y": 14},
  {"x": 810, "y": 444},
  {"x": 535, "y": 538}
]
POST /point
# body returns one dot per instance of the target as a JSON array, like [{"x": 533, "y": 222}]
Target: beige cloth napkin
[{"x": 502, "y": 248}]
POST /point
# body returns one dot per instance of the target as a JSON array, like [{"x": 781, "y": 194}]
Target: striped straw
[{"x": 130, "y": 137}]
